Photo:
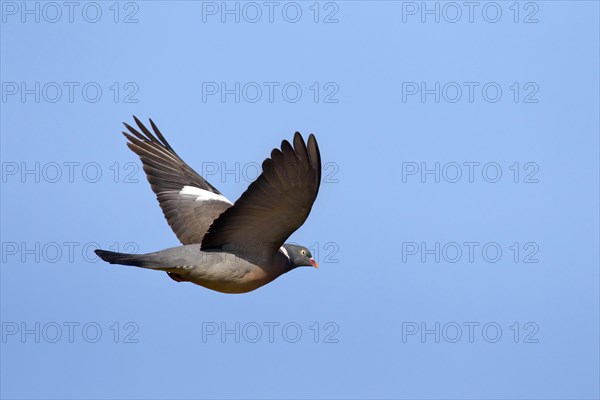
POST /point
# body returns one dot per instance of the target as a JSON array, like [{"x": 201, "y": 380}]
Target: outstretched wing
[
  {"x": 190, "y": 204},
  {"x": 275, "y": 204}
]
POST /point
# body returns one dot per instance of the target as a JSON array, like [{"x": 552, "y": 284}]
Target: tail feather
[{"x": 138, "y": 260}]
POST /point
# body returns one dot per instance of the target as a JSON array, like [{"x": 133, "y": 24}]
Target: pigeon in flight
[{"x": 230, "y": 248}]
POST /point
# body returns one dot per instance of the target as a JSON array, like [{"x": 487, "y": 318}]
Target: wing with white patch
[{"x": 190, "y": 204}]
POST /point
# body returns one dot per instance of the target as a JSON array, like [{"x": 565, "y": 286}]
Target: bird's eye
[{"x": 303, "y": 252}]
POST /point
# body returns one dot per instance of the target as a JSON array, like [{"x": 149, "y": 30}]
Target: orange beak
[{"x": 314, "y": 263}]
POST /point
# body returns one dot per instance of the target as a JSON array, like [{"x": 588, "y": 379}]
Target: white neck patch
[{"x": 285, "y": 252}]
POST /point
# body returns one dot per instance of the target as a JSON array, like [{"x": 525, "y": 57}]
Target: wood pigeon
[{"x": 230, "y": 248}]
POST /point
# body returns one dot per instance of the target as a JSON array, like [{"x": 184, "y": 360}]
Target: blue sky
[{"x": 456, "y": 226}]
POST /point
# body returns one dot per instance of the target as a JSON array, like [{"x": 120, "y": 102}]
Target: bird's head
[{"x": 299, "y": 256}]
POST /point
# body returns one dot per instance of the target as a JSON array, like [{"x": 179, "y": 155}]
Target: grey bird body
[
  {"x": 217, "y": 270},
  {"x": 230, "y": 248}
]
